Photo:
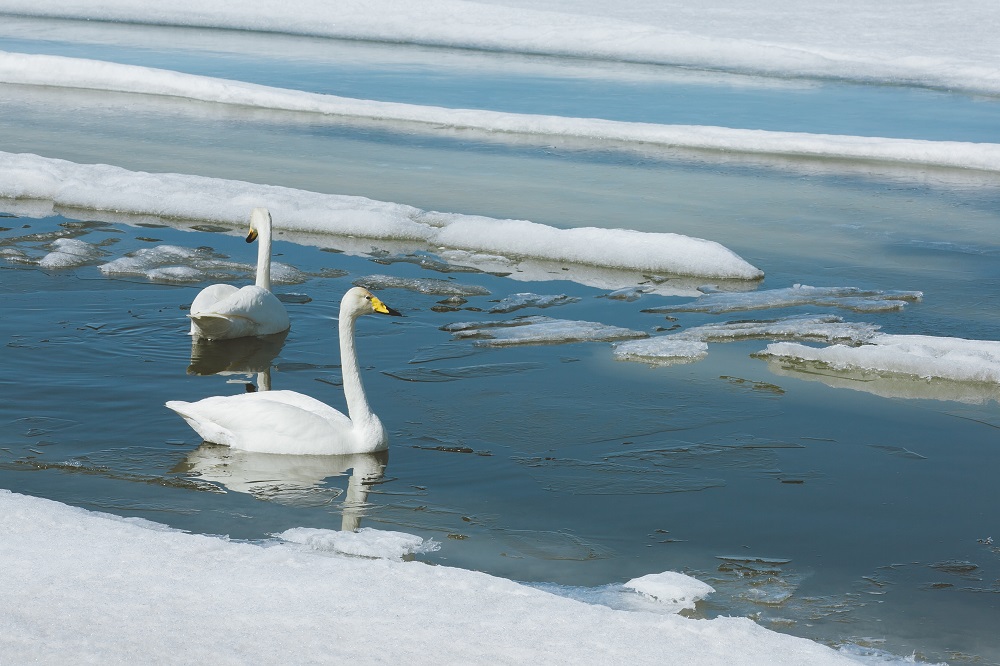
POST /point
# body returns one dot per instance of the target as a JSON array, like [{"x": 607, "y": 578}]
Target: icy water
[{"x": 844, "y": 509}]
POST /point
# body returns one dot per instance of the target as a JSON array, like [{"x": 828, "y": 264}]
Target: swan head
[
  {"x": 358, "y": 301},
  {"x": 258, "y": 218}
]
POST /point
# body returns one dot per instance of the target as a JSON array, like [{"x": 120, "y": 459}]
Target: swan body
[
  {"x": 223, "y": 312},
  {"x": 294, "y": 423}
]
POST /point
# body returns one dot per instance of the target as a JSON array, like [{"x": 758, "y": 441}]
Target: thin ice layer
[
  {"x": 850, "y": 298},
  {"x": 692, "y": 344},
  {"x": 540, "y": 330}
]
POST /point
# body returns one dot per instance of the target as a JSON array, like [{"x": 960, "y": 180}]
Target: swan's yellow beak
[
  {"x": 252, "y": 236},
  {"x": 382, "y": 308}
]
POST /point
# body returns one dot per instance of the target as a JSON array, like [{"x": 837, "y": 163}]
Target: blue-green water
[{"x": 542, "y": 463}]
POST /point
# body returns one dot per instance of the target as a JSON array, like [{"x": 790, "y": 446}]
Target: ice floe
[
  {"x": 422, "y": 285},
  {"x": 692, "y": 344},
  {"x": 849, "y": 298},
  {"x": 365, "y": 542},
  {"x": 538, "y": 330},
  {"x": 529, "y": 300},
  {"x": 173, "y": 263},
  {"x": 187, "y": 197},
  {"x": 922, "y": 356},
  {"x": 70, "y": 253}
]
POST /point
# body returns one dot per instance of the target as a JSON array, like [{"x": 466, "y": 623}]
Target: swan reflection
[
  {"x": 238, "y": 356},
  {"x": 291, "y": 480}
]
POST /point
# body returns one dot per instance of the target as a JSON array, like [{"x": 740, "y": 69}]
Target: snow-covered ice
[
  {"x": 168, "y": 596},
  {"x": 186, "y": 197},
  {"x": 921, "y": 356}
]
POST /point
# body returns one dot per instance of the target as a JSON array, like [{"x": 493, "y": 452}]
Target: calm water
[{"x": 540, "y": 463}]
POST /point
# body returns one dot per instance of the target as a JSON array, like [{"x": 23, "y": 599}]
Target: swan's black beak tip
[{"x": 393, "y": 313}]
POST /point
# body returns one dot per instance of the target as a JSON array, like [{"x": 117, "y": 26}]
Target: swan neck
[
  {"x": 264, "y": 256},
  {"x": 354, "y": 392}
]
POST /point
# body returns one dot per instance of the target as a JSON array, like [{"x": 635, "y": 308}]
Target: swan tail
[
  {"x": 219, "y": 327},
  {"x": 209, "y": 431}
]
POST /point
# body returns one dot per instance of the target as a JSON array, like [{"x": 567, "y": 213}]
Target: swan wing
[
  {"x": 269, "y": 422},
  {"x": 238, "y": 313}
]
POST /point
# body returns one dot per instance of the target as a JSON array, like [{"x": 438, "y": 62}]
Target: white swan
[
  {"x": 223, "y": 312},
  {"x": 290, "y": 422}
]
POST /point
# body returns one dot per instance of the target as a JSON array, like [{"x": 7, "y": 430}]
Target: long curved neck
[
  {"x": 354, "y": 392},
  {"x": 264, "y": 256}
]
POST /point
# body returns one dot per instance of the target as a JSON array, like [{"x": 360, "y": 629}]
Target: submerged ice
[
  {"x": 849, "y": 298},
  {"x": 538, "y": 330}
]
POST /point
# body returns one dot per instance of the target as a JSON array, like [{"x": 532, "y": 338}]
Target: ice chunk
[
  {"x": 923, "y": 356},
  {"x": 826, "y": 328},
  {"x": 366, "y": 542},
  {"x": 421, "y": 285},
  {"x": 691, "y": 344},
  {"x": 662, "y": 350},
  {"x": 627, "y": 294},
  {"x": 541, "y": 330},
  {"x": 850, "y": 298},
  {"x": 529, "y": 300},
  {"x": 671, "y": 588},
  {"x": 70, "y": 253}
]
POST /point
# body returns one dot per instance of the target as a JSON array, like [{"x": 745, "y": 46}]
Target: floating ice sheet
[
  {"x": 173, "y": 263},
  {"x": 421, "y": 285},
  {"x": 539, "y": 330},
  {"x": 186, "y": 197},
  {"x": 922, "y": 356},
  {"x": 529, "y": 300},
  {"x": 70, "y": 253},
  {"x": 366, "y": 542},
  {"x": 849, "y": 298},
  {"x": 692, "y": 344}
]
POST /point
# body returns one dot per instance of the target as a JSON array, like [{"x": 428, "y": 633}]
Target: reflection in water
[
  {"x": 291, "y": 480},
  {"x": 888, "y": 385},
  {"x": 241, "y": 355}
]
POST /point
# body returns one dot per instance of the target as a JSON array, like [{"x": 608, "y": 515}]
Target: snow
[
  {"x": 672, "y": 589},
  {"x": 955, "y": 359},
  {"x": 179, "y": 196},
  {"x": 60, "y": 71},
  {"x": 919, "y": 42},
  {"x": 171, "y": 597}
]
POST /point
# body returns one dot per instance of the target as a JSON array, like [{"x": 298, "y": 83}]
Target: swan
[
  {"x": 223, "y": 312},
  {"x": 293, "y": 423}
]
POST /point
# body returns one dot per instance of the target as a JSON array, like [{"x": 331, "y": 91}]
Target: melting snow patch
[
  {"x": 539, "y": 330},
  {"x": 671, "y": 588},
  {"x": 924, "y": 356},
  {"x": 850, "y": 298},
  {"x": 366, "y": 542}
]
